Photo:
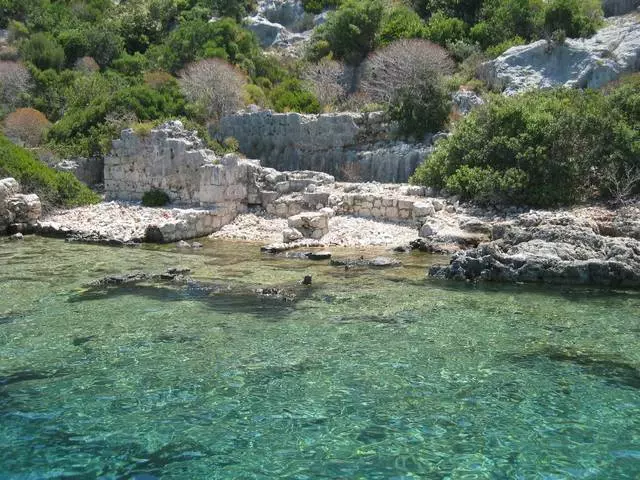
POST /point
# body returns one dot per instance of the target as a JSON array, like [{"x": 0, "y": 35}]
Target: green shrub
[
  {"x": 43, "y": 51},
  {"x": 400, "y": 22},
  {"x": 421, "y": 106},
  {"x": 155, "y": 198},
  {"x": 497, "y": 50},
  {"x": 351, "y": 31},
  {"x": 54, "y": 188},
  {"x": 291, "y": 96},
  {"x": 541, "y": 148},
  {"x": 576, "y": 18},
  {"x": 317, "y": 6},
  {"x": 444, "y": 30}
]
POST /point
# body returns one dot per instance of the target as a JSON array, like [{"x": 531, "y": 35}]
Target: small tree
[
  {"x": 399, "y": 65},
  {"x": 27, "y": 125},
  {"x": 215, "y": 85},
  {"x": 15, "y": 82},
  {"x": 327, "y": 80}
]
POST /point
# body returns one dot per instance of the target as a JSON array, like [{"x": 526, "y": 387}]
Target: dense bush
[
  {"x": 405, "y": 76},
  {"x": 317, "y": 6},
  {"x": 421, "y": 106},
  {"x": 443, "y": 30},
  {"x": 27, "y": 125},
  {"x": 576, "y": 18},
  {"x": 399, "y": 22},
  {"x": 541, "y": 148},
  {"x": 215, "y": 85},
  {"x": 155, "y": 198},
  {"x": 54, "y": 188},
  {"x": 292, "y": 96},
  {"x": 350, "y": 33},
  {"x": 43, "y": 51}
]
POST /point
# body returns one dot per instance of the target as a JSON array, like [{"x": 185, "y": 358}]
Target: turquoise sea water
[{"x": 365, "y": 375}]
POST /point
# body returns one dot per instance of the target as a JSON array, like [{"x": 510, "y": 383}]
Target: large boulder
[
  {"x": 576, "y": 63},
  {"x": 16, "y": 208}
]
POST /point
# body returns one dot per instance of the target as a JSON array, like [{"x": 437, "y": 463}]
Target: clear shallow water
[{"x": 368, "y": 374}]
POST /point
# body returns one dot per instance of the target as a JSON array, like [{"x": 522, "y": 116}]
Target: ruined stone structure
[
  {"x": 18, "y": 212},
  {"x": 349, "y": 146}
]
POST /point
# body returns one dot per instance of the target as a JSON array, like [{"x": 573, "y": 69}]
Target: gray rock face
[
  {"x": 349, "y": 146},
  {"x": 619, "y": 7},
  {"x": 581, "y": 63},
  {"x": 559, "y": 250},
  {"x": 89, "y": 171},
  {"x": 15, "y": 208},
  {"x": 465, "y": 100}
]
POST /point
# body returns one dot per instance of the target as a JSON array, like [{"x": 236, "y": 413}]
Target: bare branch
[
  {"x": 15, "y": 81},
  {"x": 327, "y": 79},
  {"x": 214, "y": 84},
  {"x": 399, "y": 65}
]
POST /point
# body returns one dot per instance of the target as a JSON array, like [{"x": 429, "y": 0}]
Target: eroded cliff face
[{"x": 349, "y": 146}]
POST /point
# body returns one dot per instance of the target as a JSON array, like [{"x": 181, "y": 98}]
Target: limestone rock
[
  {"x": 291, "y": 235},
  {"x": 555, "y": 250},
  {"x": 423, "y": 209},
  {"x": 578, "y": 63},
  {"x": 313, "y": 225},
  {"x": 465, "y": 100}
]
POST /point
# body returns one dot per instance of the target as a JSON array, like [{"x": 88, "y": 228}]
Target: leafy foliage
[
  {"x": 541, "y": 148},
  {"x": 155, "y": 198},
  {"x": 292, "y": 96},
  {"x": 350, "y": 32},
  {"x": 54, "y": 188}
]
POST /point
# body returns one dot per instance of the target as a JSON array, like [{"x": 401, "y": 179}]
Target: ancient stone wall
[
  {"x": 349, "y": 146},
  {"x": 174, "y": 160}
]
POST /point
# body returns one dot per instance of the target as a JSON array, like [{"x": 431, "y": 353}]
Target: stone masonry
[{"x": 349, "y": 146}]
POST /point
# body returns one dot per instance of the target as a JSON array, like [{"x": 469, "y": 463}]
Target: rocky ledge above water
[{"x": 557, "y": 248}]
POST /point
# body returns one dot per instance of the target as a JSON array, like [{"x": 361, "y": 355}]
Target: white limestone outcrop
[{"x": 577, "y": 63}]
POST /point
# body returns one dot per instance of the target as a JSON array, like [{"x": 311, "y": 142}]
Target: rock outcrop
[
  {"x": 579, "y": 63},
  {"x": 349, "y": 146},
  {"x": 18, "y": 212},
  {"x": 619, "y": 7},
  {"x": 551, "y": 248}
]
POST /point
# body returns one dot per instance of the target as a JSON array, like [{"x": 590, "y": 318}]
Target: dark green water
[{"x": 367, "y": 375}]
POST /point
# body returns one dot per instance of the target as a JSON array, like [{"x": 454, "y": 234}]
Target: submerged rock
[{"x": 377, "y": 262}]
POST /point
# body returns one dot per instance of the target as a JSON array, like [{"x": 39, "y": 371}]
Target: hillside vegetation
[
  {"x": 75, "y": 72},
  {"x": 54, "y": 188}
]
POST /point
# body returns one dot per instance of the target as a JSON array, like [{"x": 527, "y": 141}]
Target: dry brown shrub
[
  {"x": 87, "y": 65},
  {"x": 214, "y": 84},
  {"x": 27, "y": 125},
  {"x": 402, "y": 63},
  {"x": 157, "y": 78},
  {"x": 15, "y": 81},
  {"x": 327, "y": 80}
]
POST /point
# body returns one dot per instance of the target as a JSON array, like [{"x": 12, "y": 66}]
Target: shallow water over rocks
[{"x": 368, "y": 373}]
